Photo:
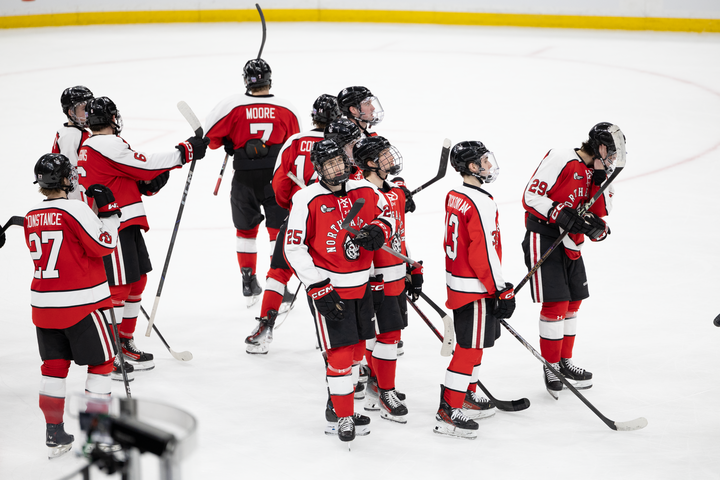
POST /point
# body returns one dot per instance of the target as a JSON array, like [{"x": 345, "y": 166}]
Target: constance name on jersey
[
  {"x": 44, "y": 219},
  {"x": 457, "y": 203}
]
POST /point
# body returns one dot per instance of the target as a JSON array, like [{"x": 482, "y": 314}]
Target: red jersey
[
  {"x": 109, "y": 160},
  {"x": 68, "y": 141},
  {"x": 563, "y": 177},
  {"x": 391, "y": 267},
  {"x": 244, "y": 117},
  {"x": 294, "y": 157},
  {"x": 316, "y": 246},
  {"x": 67, "y": 242},
  {"x": 473, "y": 248}
]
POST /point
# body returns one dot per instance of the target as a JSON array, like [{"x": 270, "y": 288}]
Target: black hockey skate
[
  {"x": 262, "y": 336},
  {"x": 57, "y": 440},
  {"x": 552, "y": 383},
  {"x": 359, "y": 391},
  {"x": 116, "y": 373},
  {"x": 452, "y": 421},
  {"x": 579, "y": 378},
  {"x": 477, "y": 407},
  {"x": 137, "y": 358},
  {"x": 287, "y": 301},
  {"x": 372, "y": 395},
  {"x": 362, "y": 423},
  {"x": 251, "y": 289},
  {"x": 346, "y": 429},
  {"x": 391, "y": 408},
  {"x": 364, "y": 373}
]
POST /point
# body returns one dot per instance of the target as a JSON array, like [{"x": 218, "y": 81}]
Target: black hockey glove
[
  {"x": 599, "y": 177},
  {"x": 565, "y": 217},
  {"x": 372, "y": 236},
  {"x": 504, "y": 302},
  {"x": 153, "y": 186},
  {"x": 104, "y": 200},
  {"x": 327, "y": 301},
  {"x": 229, "y": 146},
  {"x": 414, "y": 281},
  {"x": 409, "y": 202},
  {"x": 595, "y": 228},
  {"x": 193, "y": 149},
  {"x": 377, "y": 286}
]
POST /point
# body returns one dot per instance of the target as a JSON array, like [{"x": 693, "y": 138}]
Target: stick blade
[
  {"x": 183, "y": 356},
  {"x": 637, "y": 424},
  {"x": 191, "y": 118}
]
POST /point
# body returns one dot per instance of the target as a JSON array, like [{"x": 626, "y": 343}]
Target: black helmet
[
  {"x": 324, "y": 151},
  {"x": 355, "y": 97},
  {"x": 51, "y": 168},
  {"x": 325, "y": 109},
  {"x": 465, "y": 153},
  {"x": 342, "y": 131},
  {"x": 257, "y": 73},
  {"x": 71, "y": 98},
  {"x": 100, "y": 112},
  {"x": 371, "y": 149},
  {"x": 600, "y": 135}
]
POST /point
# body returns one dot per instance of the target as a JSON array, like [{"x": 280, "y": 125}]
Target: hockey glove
[
  {"x": 377, "y": 286},
  {"x": 104, "y": 200},
  {"x": 565, "y": 217},
  {"x": 413, "y": 282},
  {"x": 153, "y": 186},
  {"x": 326, "y": 300},
  {"x": 595, "y": 228},
  {"x": 599, "y": 177},
  {"x": 372, "y": 236},
  {"x": 409, "y": 202},
  {"x": 504, "y": 302},
  {"x": 229, "y": 146},
  {"x": 192, "y": 149}
]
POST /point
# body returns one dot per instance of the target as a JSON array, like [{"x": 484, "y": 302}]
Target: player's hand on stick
[
  {"x": 414, "y": 281},
  {"x": 409, "y": 202},
  {"x": 595, "y": 227},
  {"x": 193, "y": 149},
  {"x": 504, "y": 302},
  {"x": 104, "y": 200},
  {"x": 229, "y": 146},
  {"x": 327, "y": 301},
  {"x": 372, "y": 236},
  {"x": 565, "y": 217},
  {"x": 377, "y": 287}
]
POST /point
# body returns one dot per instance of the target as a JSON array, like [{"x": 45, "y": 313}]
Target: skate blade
[
  {"x": 60, "y": 450},
  {"x": 360, "y": 430},
  {"x": 256, "y": 350},
  {"x": 119, "y": 378},
  {"x": 554, "y": 394},
  {"x": 140, "y": 366},
  {"x": 372, "y": 406},
  {"x": 284, "y": 308},
  {"x": 393, "y": 418},
  {"x": 359, "y": 395},
  {"x": 579, "y": 384},
  {"x": 479, "y": 414},
  {"x": 252, "y": 300},
  {"x": 443, "y": 428}
]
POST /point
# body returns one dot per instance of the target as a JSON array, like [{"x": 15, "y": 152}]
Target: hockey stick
[
  {"x": 192, "y": 119},
  {"x": 262, "y": 19},
  {"x": 15, "y": 220},
  {"x": 504, "y": 405},
  {"x": 444, "y": 156},
  {"x": 220, "y": 177},
  {"x": 636, "y": 424},
  {"x": 184, "y": 356},
  {"x": 118, "y": 345},
  {"x": 348, "y": 221},
  {"x": 619, "y": 140},
  {"x": 278, "y": 325},
  {"x": 447, "y": 347}
]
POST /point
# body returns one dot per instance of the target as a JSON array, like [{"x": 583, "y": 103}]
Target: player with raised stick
[
  {"x": 334, "y": 266},
  {"x": 477, "y": 292},
  {"x": 563, "y": 182},
  {"x": 67, "y": 243}
]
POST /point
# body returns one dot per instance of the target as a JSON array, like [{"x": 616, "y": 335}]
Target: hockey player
[
  {"x": 67, "y": 242},
  {"x": 361, "y": 107},
  {"x": 70, "y": 137},
  {"x": 477, "y": 292},
  {"x": 334, "y": 266},
  {"x": 378, "y": 159},
  {"x": 294, "y": 157},
  {"x": 346, "y": 134},
  {"x": 108, "y": 159},
  {"x": 565, "y": 179},
  {"x": 253, "y": 127}
]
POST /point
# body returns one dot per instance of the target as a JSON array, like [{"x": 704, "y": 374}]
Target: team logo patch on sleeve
[{"x": 352, "y": 251}]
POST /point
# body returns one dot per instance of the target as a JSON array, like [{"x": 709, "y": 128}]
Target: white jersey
[{"x": 68, "y": 140}]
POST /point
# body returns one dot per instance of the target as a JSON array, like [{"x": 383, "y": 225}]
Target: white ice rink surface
[{"x": 646, "y": 332}]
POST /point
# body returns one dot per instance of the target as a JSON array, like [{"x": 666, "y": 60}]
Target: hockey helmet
[
  {"x": 377, "y": 149},
  {"x": 257, "y": 73},
  {"x": 345, "y": 133},
  {"x": 100, "y": 113},
  {"x": 73, "y": 97},
  {"x": 325, "y": 109},
  {"x": 50, "y": 170},
  {"x": 465, "y": 153},
  {"x": 600, "y": 135},
  {"x": 364, "y": 101},
  {"x": 330, "y": 162}
]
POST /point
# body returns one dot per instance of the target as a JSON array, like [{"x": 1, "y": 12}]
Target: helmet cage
[{"x": 323, "y": 157}]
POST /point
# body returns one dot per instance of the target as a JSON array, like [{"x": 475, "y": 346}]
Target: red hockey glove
[
  {"x": 409, "y": 202},
  {"x": 193, "y": 149},
  {"x": 377, "y": 286},
  {"x": 595, "y": 228},
  {"x": 372, "y": 236},
  {"x": 565, "y": 217},
  {"x": 326, "y": 300},
  {"x": 104, "y": 200},
  {"x": 414, "y": 281},
  {"x": 504, "y": 302},
  {"x": 153, "y": 186}
]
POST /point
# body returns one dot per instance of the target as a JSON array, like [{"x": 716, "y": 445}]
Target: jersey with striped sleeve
[
  {"x": 109, "y": 160},
  {"x": 563, "y": 177},
  {"x": 294, "y": 157},
  {"x": 316, "y": 246},
  {"x": 68, "y": 140},
  {"x": 244, "y": 117},
  {"x": 391, "y": 267},
  {"x": 473, "y": 247},
  {"x": 67, "y": 242}
]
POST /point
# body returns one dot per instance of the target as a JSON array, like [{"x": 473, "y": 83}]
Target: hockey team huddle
[{"x": 336, "y": 220}]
